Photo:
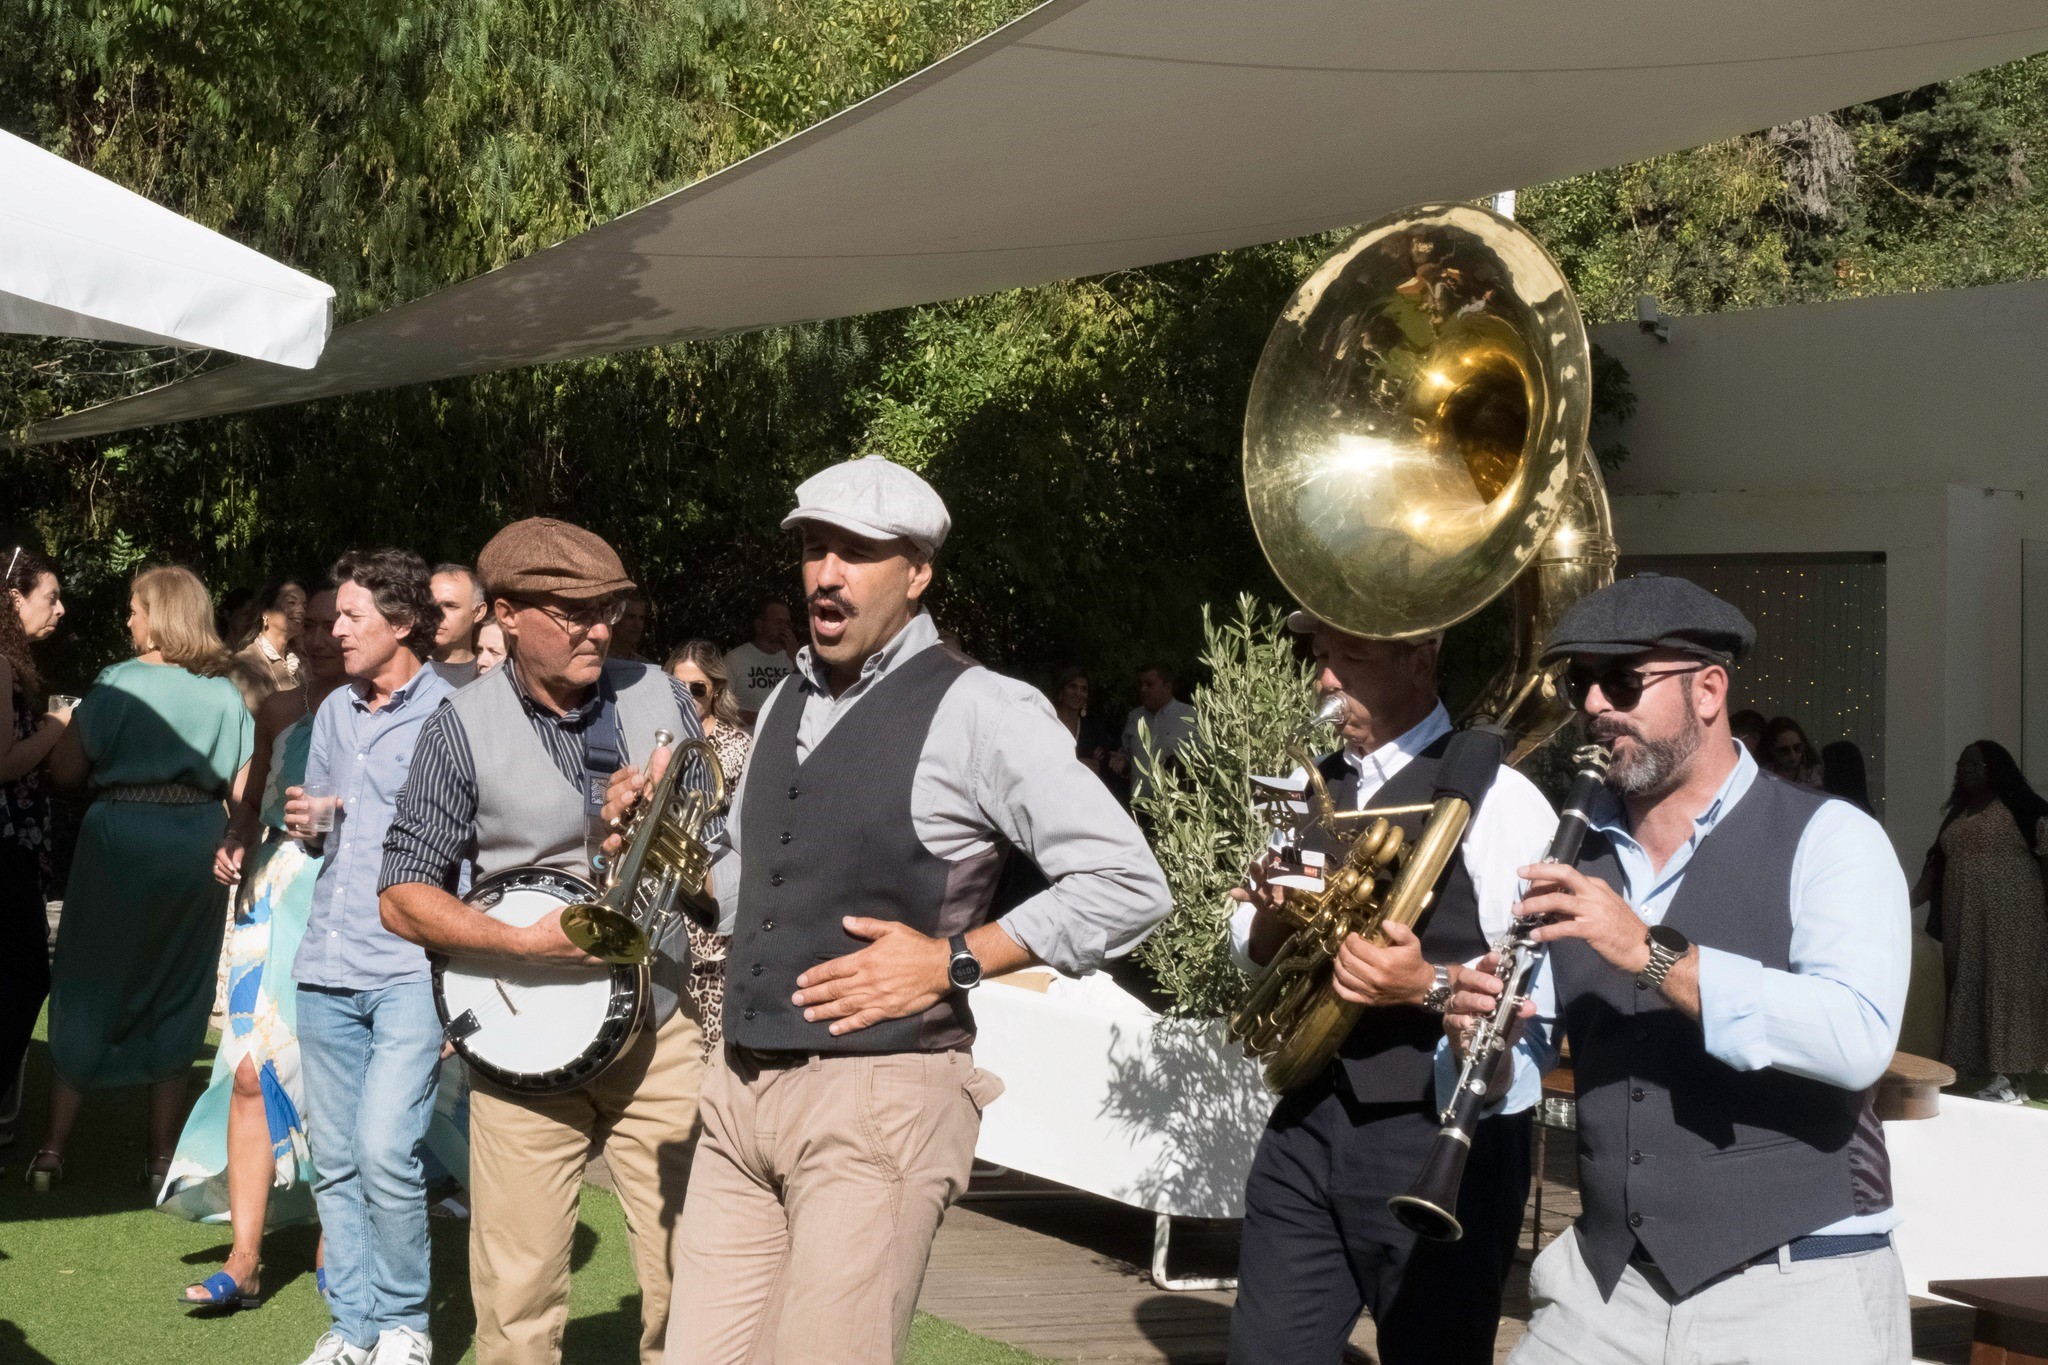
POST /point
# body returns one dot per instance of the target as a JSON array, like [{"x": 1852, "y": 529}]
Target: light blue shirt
[
  {"x": 363, "y": 756},
  {"x": 1834, "y": 1015}
]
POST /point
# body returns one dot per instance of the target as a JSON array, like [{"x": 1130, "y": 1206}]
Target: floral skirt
[{"x": 270, "y": 918}]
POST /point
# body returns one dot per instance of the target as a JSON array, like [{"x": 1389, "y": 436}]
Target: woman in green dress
[{"x": 163, "y": 741}]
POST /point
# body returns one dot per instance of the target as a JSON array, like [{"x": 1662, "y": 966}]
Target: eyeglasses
[
  {"x": 583, "y": 619},
  {"x": 1622, "y": 685},
  {"x": 700, "y": 690}
]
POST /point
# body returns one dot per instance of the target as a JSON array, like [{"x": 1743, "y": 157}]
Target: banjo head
[{"x": 534, "y": 1027}]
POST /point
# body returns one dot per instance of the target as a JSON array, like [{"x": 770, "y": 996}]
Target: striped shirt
[{"x": 433, "y": 833}]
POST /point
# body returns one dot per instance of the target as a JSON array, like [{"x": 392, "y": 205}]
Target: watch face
[
  {"x": 1664, "y": 936},
  {"x": 965, "y": 971}
]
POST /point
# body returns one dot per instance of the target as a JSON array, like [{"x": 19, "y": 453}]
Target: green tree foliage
[
  {"x": 1204, "y": 827},
  {"x": 1086, "y": 434}
]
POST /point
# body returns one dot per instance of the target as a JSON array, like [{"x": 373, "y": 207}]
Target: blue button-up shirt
[
  {"x": 363, "y": 756},
  {"x": 1834, "y": 1015}
]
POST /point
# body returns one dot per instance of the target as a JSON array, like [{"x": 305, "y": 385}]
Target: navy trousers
[{"x": 1320, "y": 1244}]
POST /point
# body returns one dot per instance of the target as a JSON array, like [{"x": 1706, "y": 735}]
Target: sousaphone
[{"x": 1415, "y": 445}]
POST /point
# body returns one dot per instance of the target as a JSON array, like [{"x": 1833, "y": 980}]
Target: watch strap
[{"x": 1438, "y": 997}]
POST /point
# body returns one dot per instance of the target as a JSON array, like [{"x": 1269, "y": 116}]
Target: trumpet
[
  {"x": 663, "y": 866},
  {"x": 1430, "y": 1208}
]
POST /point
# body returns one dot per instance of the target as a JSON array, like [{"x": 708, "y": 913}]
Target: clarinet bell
[{"x": 1430, "y": 1208}]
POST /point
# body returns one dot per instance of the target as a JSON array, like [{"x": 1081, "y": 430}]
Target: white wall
[{"x": 1915, "y": 426}]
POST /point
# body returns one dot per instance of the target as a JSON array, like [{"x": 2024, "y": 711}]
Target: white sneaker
[
  {"x": 333, "y": 1349},
  {"x": 2000, "y": 1091},
  {"x": 402, "y": 1346}
]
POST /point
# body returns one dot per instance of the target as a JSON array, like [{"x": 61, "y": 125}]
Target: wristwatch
[
  {"x": 1438, "y": 997},
  {"x": 965, "y": 969},
  {"x": 1667, "y": 945}
]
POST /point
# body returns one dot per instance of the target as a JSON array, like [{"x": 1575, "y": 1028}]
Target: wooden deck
[{"x": 1065, "y": 1275}]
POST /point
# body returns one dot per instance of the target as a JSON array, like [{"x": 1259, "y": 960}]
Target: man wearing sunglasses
[
  {"x": 1320, "y": 1244},
  {"x": 1729, "y": 957},
  {"x": 511, "y": 773}
]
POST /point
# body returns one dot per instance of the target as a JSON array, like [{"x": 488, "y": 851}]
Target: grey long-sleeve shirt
[{"x": 997, "y": 764}]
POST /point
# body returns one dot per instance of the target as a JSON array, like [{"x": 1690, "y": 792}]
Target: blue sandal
[{"x": 223, "y": 1292}]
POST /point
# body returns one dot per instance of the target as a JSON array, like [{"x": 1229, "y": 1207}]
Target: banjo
[{"x": 530, "y": 1027}]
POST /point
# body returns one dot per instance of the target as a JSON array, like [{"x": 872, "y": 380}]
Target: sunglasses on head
[{"x": 1622, "y": 684}]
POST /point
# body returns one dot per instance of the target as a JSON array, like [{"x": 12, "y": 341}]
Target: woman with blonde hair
[
  {"x": 699, "y": 666},
  {"x": 163, "y": 742}
]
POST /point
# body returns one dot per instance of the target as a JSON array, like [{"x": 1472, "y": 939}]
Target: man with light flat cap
[
  {"x": 508, "y": 774},
  {"x": 889, "y": 780},
  {"x": 1730, "y": 956}
]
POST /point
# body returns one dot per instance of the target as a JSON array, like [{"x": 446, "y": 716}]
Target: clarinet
[{"x": 1430, "y": 1208}]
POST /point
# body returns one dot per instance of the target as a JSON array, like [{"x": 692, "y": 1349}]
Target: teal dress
[
  {"x": 270, "y": 918},
  {"x": 133, "y": 978}
]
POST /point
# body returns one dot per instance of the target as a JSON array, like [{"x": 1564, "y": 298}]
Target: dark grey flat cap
[{"x": 1651, "y": 611}]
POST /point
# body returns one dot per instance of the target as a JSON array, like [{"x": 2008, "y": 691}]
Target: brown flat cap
[{"x": 542, "y": 557}]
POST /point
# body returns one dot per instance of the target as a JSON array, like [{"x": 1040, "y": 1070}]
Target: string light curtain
[{"x": 1819, "y": 640}]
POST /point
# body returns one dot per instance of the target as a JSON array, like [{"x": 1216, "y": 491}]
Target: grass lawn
[{"x": 90, "y": 1274}]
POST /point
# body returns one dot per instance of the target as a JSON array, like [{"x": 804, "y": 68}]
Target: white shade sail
[
  {"x": 1096, "y": 135},
  {"x": 82, "y": 257}
]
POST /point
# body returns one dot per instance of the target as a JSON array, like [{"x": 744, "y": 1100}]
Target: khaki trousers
[
  {"x": 816, "y": 1194},
  {"x": 527, "y": 1154}
]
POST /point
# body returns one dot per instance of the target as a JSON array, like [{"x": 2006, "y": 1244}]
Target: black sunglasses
[
  {"x": 700, "y": 690},
  {"x": 1621, "y": 684}
]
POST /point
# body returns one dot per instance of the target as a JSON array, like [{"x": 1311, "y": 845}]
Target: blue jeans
[{"x": 370, "y": 1059}]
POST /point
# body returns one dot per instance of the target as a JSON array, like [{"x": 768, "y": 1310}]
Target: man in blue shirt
[
  {"x": 369, "y": 1038},
  {"x": 1729, "y": 957}
]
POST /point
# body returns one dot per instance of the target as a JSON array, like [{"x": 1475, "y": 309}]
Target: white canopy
[
  {"x": 82, "y": 257},
  {"x": 1096, "y": 135}
]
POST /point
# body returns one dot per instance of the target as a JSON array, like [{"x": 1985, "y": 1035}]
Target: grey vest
[
  {"x": 1389, "y": 1055},
  {"x": 833, "y": 836},
  {"x": 528, "y": 814},
  {"x": 1705, "y": 1165}
]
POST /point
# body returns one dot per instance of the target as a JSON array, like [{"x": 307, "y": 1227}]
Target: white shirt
[
  {"x": 1834, "y": 1015},
  {"x": 1512, "y": 828},
  {"x": 752, "y": 672},
  {"x": 997, "y": 764}
]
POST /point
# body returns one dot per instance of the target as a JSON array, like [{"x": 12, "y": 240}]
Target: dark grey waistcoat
[
  {"x": 1705, "y": 1165},
  {"x": 833, "y": 836},
  {"x": 1388, "y": 1058}
]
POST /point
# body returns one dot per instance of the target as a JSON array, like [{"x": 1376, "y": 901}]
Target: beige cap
[{"x": 876, "y": 499}]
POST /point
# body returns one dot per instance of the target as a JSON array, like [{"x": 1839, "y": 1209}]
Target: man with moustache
[
  {"x": 1730, "y": 956},
  {"x": 1319, "y": 1243},
  {"x": 369, "y": 1038},
  {"x": 509, "y": 774},
  {"x": 889, "y": 779}
]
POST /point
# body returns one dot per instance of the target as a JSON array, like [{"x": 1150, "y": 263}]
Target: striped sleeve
[{"x": 433, "y": 830}]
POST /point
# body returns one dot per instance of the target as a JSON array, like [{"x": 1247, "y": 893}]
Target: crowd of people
[
  {"x": 291, "y": 796},
  {"x": 285, "y": 809}
]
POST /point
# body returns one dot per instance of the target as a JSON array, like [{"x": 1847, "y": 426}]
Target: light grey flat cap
[{"x": 877, "y": 499}]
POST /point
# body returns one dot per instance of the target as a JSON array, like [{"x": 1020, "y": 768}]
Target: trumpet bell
[
  {"x": 603, "y": 932},
  {"x": 1415, "y": 421}
]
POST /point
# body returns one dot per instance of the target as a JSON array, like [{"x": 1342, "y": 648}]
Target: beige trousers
[
  {"x": 527, "y": 1154},
  {"x": 816, "y": 1194}
]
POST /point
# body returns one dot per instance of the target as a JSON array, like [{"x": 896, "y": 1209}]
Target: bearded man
[{"x": 1729, "y": 956}]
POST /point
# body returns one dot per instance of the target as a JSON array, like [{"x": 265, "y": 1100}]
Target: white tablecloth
[{"x": 1107, "y": 1096}]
